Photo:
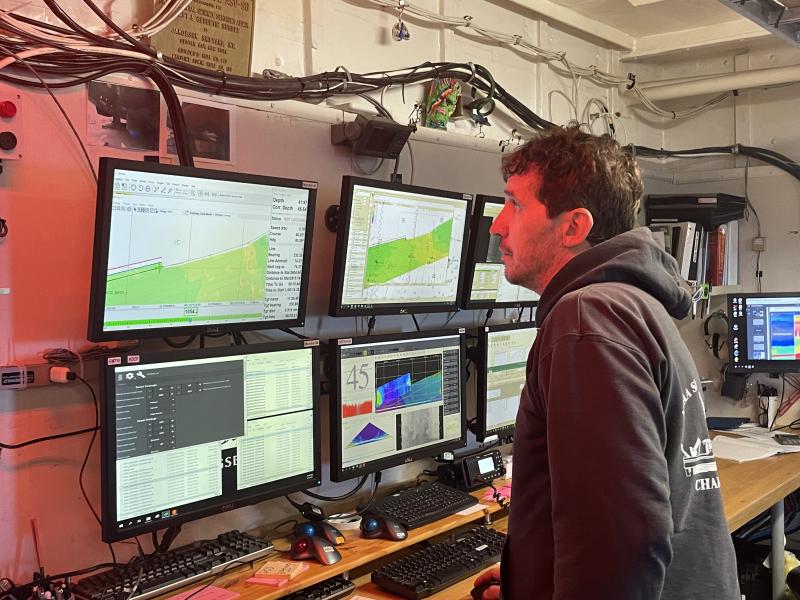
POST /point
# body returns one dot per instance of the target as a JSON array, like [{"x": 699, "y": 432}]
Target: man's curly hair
[{"x": 580, "y": 170}]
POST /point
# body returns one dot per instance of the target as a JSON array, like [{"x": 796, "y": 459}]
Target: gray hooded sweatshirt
[{"x": 615, "y": 488}]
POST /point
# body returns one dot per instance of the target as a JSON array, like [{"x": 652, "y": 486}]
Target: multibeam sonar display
[
  {"x": 407, "y": 382},
  {"x": 370, "y": 433}
]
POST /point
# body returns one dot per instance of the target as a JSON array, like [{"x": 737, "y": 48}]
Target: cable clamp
[
  {"x": 735, "y": 149},
  {"x": 632, "y": 84},
  {"x": 221, "y": 87},
  {"x": 517, "y": 39},
  {"x": 562, "y": 56},
  {"x": 347, "y": 74},
  {"x": 467, "y": 20}
]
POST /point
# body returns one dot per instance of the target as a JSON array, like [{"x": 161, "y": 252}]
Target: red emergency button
[{"x": 7, "y": 109}]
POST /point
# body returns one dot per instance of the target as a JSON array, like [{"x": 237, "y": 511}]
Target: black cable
[
  {"x": 488, "y": 316},
  {"x": 299, "y": 336},
  {"x": 57, "y": 436},
  {"x": 413, "y": 316},
  {"x": 370, "y": 324},
  {"x": 268, "y": 536},
  {"x": 89, "y": 448},
  {"x": 3, "y": 228},
  {"x": 344, "y": 496}
]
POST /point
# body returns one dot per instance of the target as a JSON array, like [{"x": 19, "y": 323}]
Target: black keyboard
[
  {"x": 424, "y": 504},
  {"x": 330, "y": 589},
  {"x": 442, "y": 564},
  {"x": 160, "y": 573}
]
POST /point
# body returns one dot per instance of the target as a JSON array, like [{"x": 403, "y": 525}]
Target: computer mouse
[
  {"x": 477, "y": 591},
  {"x": 321, "y": 529},
  {"x": 375, "y": 526},
  {"x": 313, "y": 546}
]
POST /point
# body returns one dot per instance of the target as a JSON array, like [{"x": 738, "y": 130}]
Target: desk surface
[
  {"x": 355, "y": 553},
  {"x": 750, "y": 488}
]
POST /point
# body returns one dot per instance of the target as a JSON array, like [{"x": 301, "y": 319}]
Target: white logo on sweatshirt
[{"x": 698, "y": 455}]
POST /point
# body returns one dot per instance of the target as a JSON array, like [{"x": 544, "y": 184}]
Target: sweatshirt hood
[{"x": 631, "y": 257}]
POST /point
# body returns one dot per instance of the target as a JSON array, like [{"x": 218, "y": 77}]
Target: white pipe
[{"x": 663, "y": 90}]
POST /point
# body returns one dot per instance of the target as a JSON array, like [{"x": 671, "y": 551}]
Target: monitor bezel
[
  {"x": 273, "y": 489},
  {"x": 336, "y": 309},
  {"x": 102, "y": 233},
  {"x": 337, "y": 472},
  {"x": 481, "y": 406},
  {"x": 469, "y": 272},
  {"x": 756, "y": 366}
]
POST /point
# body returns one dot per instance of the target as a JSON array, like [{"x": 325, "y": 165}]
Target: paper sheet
[
  {"x": 743, "y": 449},
  {"x": 468, "y": 511},
  {"x": 212, "y": 592}
]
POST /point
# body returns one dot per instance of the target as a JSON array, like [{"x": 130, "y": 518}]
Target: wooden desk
[
  {"x": 355, "y": 552},
  {"x": 750, "y": 488}
]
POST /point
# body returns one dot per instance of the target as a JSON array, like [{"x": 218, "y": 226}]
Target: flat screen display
[
  {"x": 396, "y": 398},
  {"x": 181, "y": 250},
  {"x": 192, "y": 433},
  {"x": 504, "y": 351},
  {"x": 764, "y": 332},
  {"x": 399, "y": 249}
]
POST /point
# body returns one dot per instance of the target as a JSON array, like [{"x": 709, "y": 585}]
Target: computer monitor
[
  {"x": 764, "y": 332},
  {"x": 191, "y": 433},
  {"x": 395, "y": 398},
  {"x": 502, "y": 358},
  {"x": 399, "y": 248},
  {"x": 485, "y": 283},
  {"x": 181, "y": 250}
]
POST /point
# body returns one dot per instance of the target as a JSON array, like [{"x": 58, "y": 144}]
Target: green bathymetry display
[
  {"x": 230, "y": 276},
  {"x": 391, "y": 259}
]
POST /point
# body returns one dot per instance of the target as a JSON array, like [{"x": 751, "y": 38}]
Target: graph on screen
[
  {"x": 404, "y": 255},
  {"x": 369, "y": 434},
  {"x": 226, "y": 276},
  {"x": 188, "y": 251},
  {"x": 407, "y": 382},
  {"x": 784, "y": 335},
  {"x": 402, "y": 247}
]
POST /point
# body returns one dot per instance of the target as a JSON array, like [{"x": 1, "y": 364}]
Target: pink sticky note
[{"x": 212, "y": 592}]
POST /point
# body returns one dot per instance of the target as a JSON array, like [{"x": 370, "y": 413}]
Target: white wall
[{"x": 48, "y": 199}]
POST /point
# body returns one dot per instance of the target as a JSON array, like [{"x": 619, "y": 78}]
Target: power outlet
[
  {"x": 12, "y": 376},
  {"x": 759, "y": 244}
]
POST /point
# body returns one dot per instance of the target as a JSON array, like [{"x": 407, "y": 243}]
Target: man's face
[{"x": 529, "y": 240}]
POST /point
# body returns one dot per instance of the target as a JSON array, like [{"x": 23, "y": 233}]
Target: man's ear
[{"x": 576, "y": 226}]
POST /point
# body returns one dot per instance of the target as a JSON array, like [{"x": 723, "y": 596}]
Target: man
[{"x": 615, "y": 492}]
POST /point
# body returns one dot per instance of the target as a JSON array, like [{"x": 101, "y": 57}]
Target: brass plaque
[{"x": 215, "y": 34}]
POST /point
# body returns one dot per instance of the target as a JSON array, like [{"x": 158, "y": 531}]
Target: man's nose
[{"x": 498, "y": 225}]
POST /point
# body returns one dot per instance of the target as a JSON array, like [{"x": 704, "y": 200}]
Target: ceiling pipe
[{"x": 716, "y": 84}]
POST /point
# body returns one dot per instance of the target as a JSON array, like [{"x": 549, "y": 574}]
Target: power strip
[{"x": 37, "y": 375}]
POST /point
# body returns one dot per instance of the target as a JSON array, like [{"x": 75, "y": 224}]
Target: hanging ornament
[{"x": 400, "y": 31}]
